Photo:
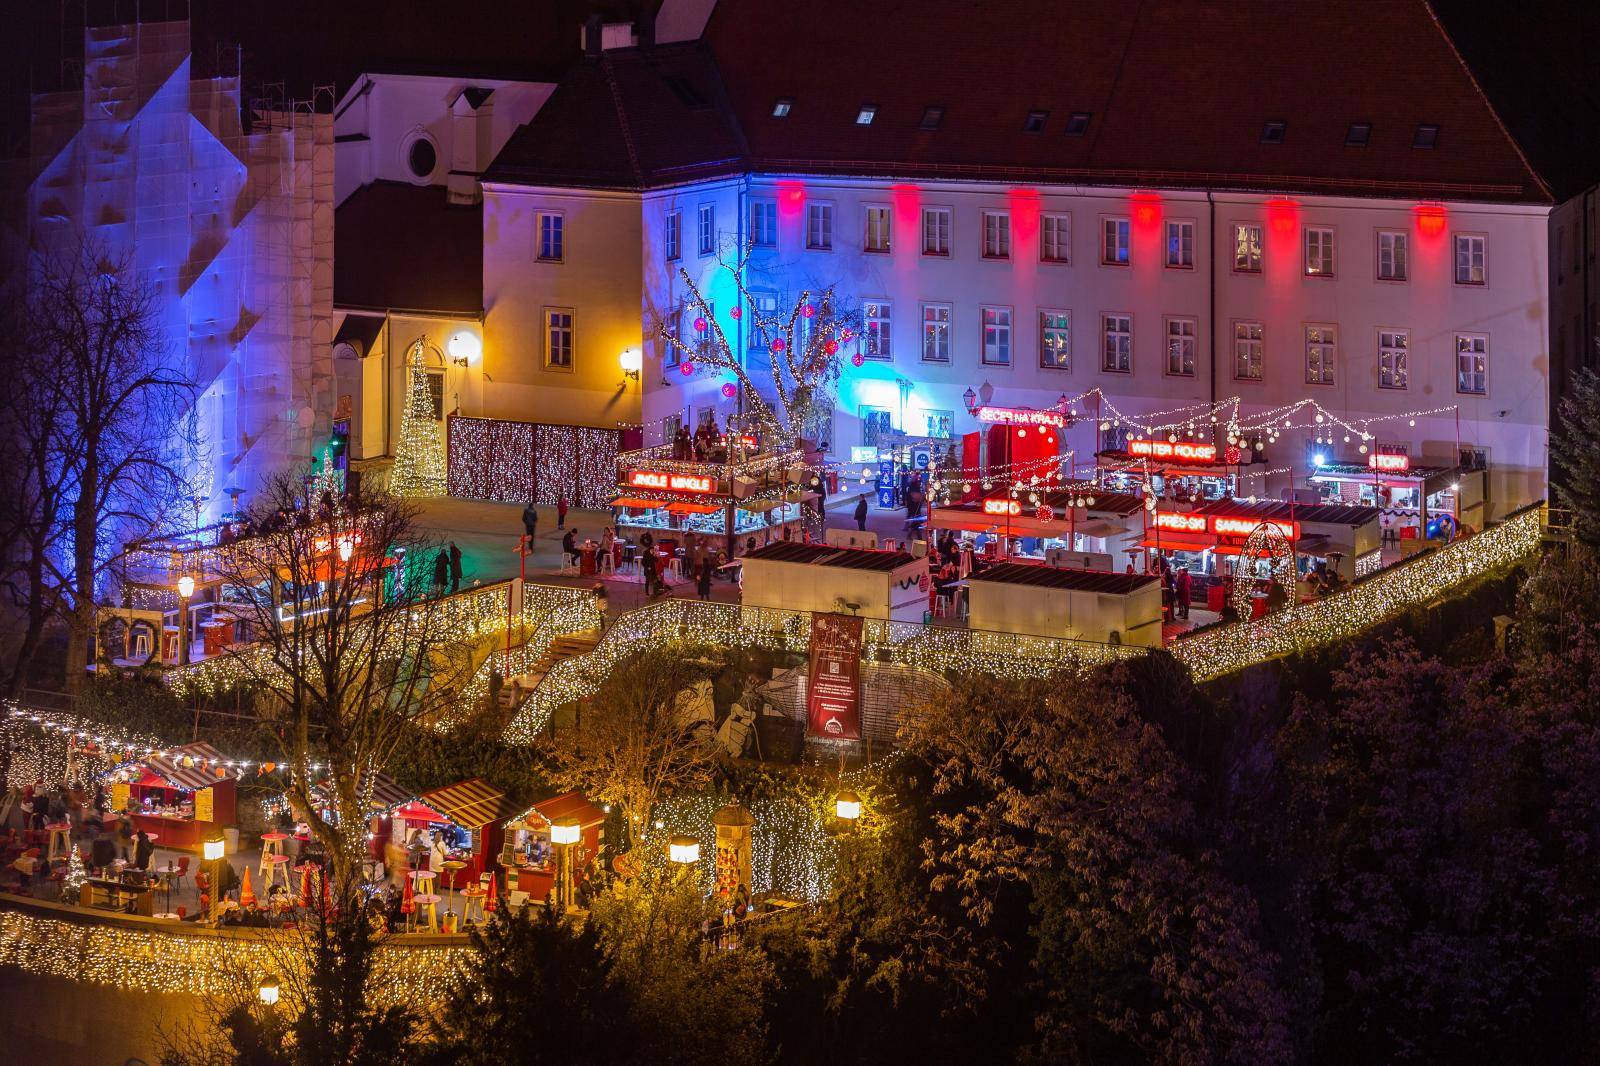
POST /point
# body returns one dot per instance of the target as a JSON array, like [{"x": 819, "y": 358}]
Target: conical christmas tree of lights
[
  {"x": 419, "y": 463},
  {"x": 72, "y": 884}
]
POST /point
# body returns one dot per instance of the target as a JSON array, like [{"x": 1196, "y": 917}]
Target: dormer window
[
  {"x": 1427, "y": 136},
  {"x": 1274, "y": 132},
  {"x": 781, "y": 108},
  {"x": 1077, "y": 124},
  {"x": 867, "y": 113},
  {"x": 1034, "y": 123},
  {"x": 1358, "y": 135},
  {"x": 932, "y": 117}
]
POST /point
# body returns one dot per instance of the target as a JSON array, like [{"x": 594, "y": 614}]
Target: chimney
[
  {"x": 592, "y": 46},
  {"x": 645, "y": 28}
]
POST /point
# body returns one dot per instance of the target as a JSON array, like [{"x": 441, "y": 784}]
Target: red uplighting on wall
[
  {"x": 1024, "y": 207},
  {"x": 791, "y": 198},
  {"x": 1146, "y": 209},
  {"x": 907, "y": 201},
  {"x": 1283, "y": 215},
  {"x": 1431, "y": 219}
]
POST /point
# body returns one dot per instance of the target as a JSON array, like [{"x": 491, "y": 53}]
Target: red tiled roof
[
  {"x": 1178, "y": 93},
  {"x": 402, "y": 247}
]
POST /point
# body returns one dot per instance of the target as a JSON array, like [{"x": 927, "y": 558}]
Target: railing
[
  {"x": 549, "y": 611},
  {"x": 735, "y": 626},
  {"x": 1373, "y": 600}
]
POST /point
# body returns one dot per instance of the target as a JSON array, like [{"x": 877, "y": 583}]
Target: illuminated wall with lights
[
  {"x": 514, "y": 462},
  {"x": 233, "y": 229}
]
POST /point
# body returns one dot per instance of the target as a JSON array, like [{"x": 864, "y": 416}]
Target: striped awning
[
  {"x": 191, "y": 766},
  {"x": 471, "y": 804},
  {"x": 387, "y": 794}
]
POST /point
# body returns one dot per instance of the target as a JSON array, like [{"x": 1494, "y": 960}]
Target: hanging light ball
[
  {"x": 1319, "y": 418},
  {"x": 830, "y": 346},
  {"x": 686, "y": 369},
  {"x": 1411, "y": 422},
  {"x": 1105, "y": 427},
  {"x": 777, "y": 344},
  {"x": 988, "y": 485},
  {"x": 729, "y": 390},
  {"x": 1363, "y": 449},
  {"x": 857, "y": 359},
  {"x": 1088, "y": 501},
  {"x": 807, "y": 311},
  {"x": 700, "y": 324},
  {"x": 735, "y": 312},
  {"x": 1260, "y": 447}
]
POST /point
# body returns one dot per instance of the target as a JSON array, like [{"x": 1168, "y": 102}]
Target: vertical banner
[
  {"x": 119, "y": 795},
  {"x": 833, "y": 692}
]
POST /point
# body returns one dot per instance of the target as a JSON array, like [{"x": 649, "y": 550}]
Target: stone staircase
[{"x": 563, "y": 646}]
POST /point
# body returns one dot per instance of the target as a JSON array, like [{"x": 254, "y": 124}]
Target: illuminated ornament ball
[
  {"x": 728, "y": 390},
  {"x": 734, "y": 312},
  {"x": 777, "y": 344},
  {"x": 686, "y": 369},
  {"x": 700, "y": 324},
  {"x": 857, "y": 359},
  {"x": 831, "y": 347},
  {"x": 808, "y": 311}
]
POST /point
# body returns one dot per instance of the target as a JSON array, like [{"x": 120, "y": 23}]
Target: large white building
[{"x": 1049, "y": 201}]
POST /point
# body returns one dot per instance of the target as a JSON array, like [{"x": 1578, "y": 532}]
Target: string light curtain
[{"x": 513, "y": 462}]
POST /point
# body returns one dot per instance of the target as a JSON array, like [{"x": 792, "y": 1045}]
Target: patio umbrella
[
  {"x": 247, "y": 895},
  {"x": 408, "y": 905},
  {"x": 489, "y": 901}
]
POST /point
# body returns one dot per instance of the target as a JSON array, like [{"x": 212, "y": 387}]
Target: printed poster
[
  {"x": 833, "y": 695},
  {"x": 202, "y": 806}
]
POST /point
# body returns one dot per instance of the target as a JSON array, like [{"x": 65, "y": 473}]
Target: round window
[{"x": 422, "y": 158}]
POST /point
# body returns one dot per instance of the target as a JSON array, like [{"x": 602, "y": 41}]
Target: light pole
[
  {"x": 267, "y": 991},
  {"x": 185, "y": 590},
  {"x": 213, "y": 852},
  {"x": 564, "y": 833}
]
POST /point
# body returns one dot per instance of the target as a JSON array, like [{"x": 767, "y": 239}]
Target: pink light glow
[
  {"x": 791, "y": 199},
  {"x": 1431, "y": 219}
]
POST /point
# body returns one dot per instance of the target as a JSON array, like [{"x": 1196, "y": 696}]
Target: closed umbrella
[
  {"x": 247, "y": 895},
  {"x": 306, "y": 899},
  {"x": 489, "y": 901},
  {"x": 408, "y": 904}
]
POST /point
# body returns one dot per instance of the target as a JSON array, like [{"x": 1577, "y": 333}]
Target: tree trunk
[
  {"x": 22, "y": 665},
  {"x": 85, "y": 538}
]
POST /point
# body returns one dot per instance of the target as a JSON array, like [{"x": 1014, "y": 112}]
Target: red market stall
[
  {"x": 183, "y": 797},
  {"x": 471, "y": 815},
  {"x": 386, "y": 802},
  {"x": 529, "y": 858}
]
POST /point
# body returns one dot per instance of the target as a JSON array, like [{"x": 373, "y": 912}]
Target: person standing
[
  {"x": 651, "y": 576},
  {"x": 530, "y": 523},
  {"x": 861, "y": 512},
  {"x": 455, "y": 567},
  {"x": 702, "y": 584},
  {"x": 561, "y": 511},
  {"x": 441, "y": 572},
  {"x": 143, "y": 849},
  {"x": 1185, "y": 591}
]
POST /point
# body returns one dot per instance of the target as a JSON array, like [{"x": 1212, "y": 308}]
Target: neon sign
[
  {"x": 1002, "y": 507},
  {"x": 1021, "y": 416},
  {"x": 1389, "y": 463},
  {"x": 654, "y": 479},
  {"x": 1180, "y": 522},
  {"x": 1183, "y": 451},
  {"x": 1231, "y": 526}
]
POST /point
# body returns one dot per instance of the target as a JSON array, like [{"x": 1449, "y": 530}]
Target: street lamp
[
  {"x": 683, "y": 850},
  {"x": 185, "y": 590},
  {"x": 969, "y": 398},
  {"x": 564, "y": 833},
  {"x": 267, "y": 990},
  {"x": 847, "y": 806},
  {"x": 464, "y": 347},
  {"x": 213, "y": 851},
  {"x": 632, "y": 361}
]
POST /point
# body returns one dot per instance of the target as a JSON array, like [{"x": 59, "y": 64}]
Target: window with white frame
[
  {"x": 997, "y": 336},
  {"x": 763, "y": 316},
  {"x": 1393, "y": 255},
  {"x": 996, "y": 235},
  {"x": 1180, "y": 347},
  {"x": 941, "y": 425},
  {"x": 1470, "y": 267},
  {"x": 706, "y": 231},
  {"x": 819, "y": 227},
  {"x": 1116, "y": 348},
  {"x": 1180, "y": 245},
  {"x": 1246, "y": 248},
  {"x": 764, "y": 223},
  {"x": 876, "y": 332},
  {"x": 1055, "y": 340},
  {"x": 552, "y": 240},
  {"x": 1249, "y": 353},
  {"x": 1055, "y": 238},
  {"x": 1114, "y": 242},
  {"x": 1319, "y": 252},
  {"x": 876, "y": 236},
  {"x": 558, "y": 338},
  {"x": 936, "y": 333},
  {"x": 672, "y": 234},
  {"x": 1472, "y": 364},
  {"x": 935, "y": 231},
  {"x": 1393, "y": 346},
  {"x": 1321, "y": 350}
]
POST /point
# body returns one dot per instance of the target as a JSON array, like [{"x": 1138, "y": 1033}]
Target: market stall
[
  {"x": 790, "y": 575},
  {"x": 385, "y": 822},
  {"x": 1057, "y": 602},
  {"x": 473, "y": 813},
  {"x": 1344, "y": 539},
  {"x": 1052, "y": 525},
  {"x": 528, "y": 855},
  {"x": 730, "y": 501},
  {"x": 1418, "y": 502},
  {"x": 1183, "y": 470},
  {"x": 181, "y": 798}
]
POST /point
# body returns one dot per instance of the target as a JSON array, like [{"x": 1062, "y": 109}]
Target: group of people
[
  {"x": 447, "y": 569},
  {"x": 707, "y": 445}
]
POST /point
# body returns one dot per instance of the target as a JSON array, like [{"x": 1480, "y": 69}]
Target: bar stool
[
  {"x": 271, "y": 844},
  {"x": 60, "y": 841},
  {"x": 274, "y": 868},
  {"x": 607, "y": 562},
  {"x": 431, "y": 902}
]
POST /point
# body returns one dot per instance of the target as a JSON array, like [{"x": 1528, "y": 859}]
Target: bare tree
[
  {"x": 348, "y": 649},
  {"x": 105, "y": 463},
  {"x": 637, "y": 740}
]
